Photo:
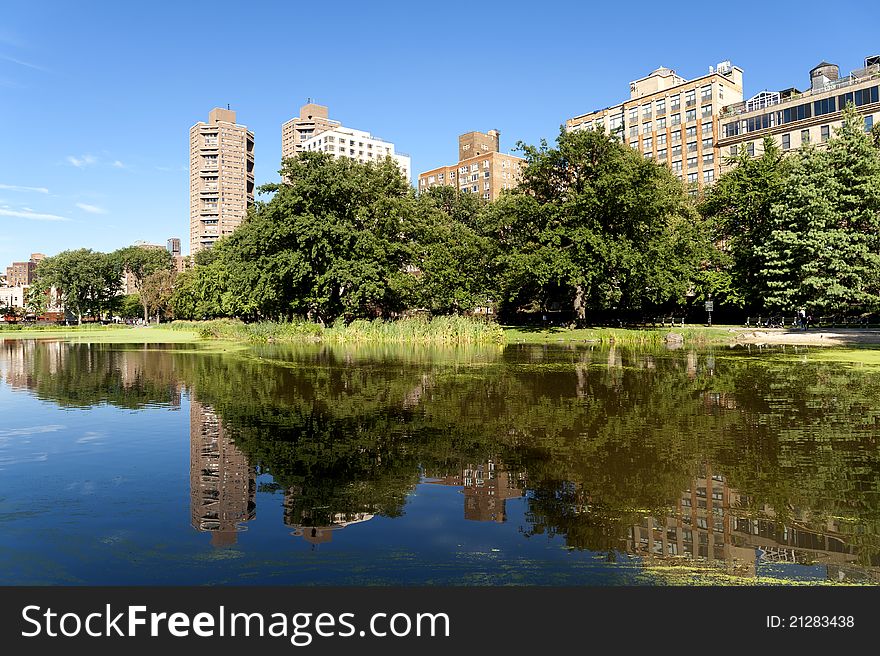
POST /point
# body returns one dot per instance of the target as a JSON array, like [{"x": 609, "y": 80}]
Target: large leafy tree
[
  {"x": 738, "y": 209},
  {"x": 596, "y": 225},
  {"x": 157, "y": 290},
  {"x": 86, "y": 281},
  {"x": 334, "y": 241},
  {"x": 141, "y": 263},
  {"x": 823, "y": 252}
]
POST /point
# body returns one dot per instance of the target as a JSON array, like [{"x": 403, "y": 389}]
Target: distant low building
[{"x": 482, "y": 169}]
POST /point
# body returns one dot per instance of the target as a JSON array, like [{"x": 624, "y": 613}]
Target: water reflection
[
  {"x": 758, "y": 467},
  {"x": 222, "y": 482}
]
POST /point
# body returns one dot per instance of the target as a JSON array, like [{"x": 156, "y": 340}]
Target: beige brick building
[
  {"x": 312, "y": 120},
  {"x": 794, "y": 118},
  {"x": 221, "y": 170},
  {"x": 672, "y": 120},
  {"x": 312, "y": 131},
  {"x": 21, "y": 274},
  {"x": 481, "y": 169}
]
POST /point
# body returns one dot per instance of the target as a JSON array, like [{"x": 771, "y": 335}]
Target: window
[
  {"x": 786, "y": 142},
  {"x": 692, "y": 178},
  {"x": 676, "y": 166},
  {"x": 690, "y": 97},
  {"x": 692, "y": 162},
  {"x": 706, "y": 111},
  {"x": 634, "y": 130},
  {"x": 676, "y": 137},
  {"x": 826, "y": 132},
  {"x": 647, "y": 144},
  {"x": 634, "y": 145},
  {"x": 690, "y": 115},
  {"x": 708, "y": 158},
  {"x": 661, "y": 153},
  {"x": 486, "y": 186},
  {"x": 660, "y": 107},
  {"x": 676, "y": 151},
  {"x": 676, "y": 119},
  {"x": 734, "y": 149},
  {"x": 675, "y": 102},
  {"x": 750, "y": 148},
  {"x": 869, "y": 122},
  {"x": 661, "y": 139},
  {"x": 805, "y": 137},
  {"x": 707, "y": 127},
  {"x": 646, "y": 111},
  {"x": 646, "y": 128},
  {"x": 485, "y": 174},
  {"x": 706, "y": 92},
  {"x": 709, "y": 175},
  {"x": 690, "y": 132},
  {"x": 707, "y": 143},
  {"x": 661, "y": 123},
  {"x": 633, "y": 115},
  {"x": 692, "y": 146}
]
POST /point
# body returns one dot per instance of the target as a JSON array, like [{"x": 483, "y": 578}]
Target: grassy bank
[
  {"x": 439, "y": 330},
  {"x": 646, "y": 336},
  {"x": 104, "y": 334}
]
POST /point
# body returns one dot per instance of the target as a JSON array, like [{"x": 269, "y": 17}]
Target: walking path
[{"x": 835, "y": 337}]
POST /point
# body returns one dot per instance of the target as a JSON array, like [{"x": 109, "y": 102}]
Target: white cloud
[
  {"x": 39, "y": 190},
  {"x": 36, "y": 67},
  {"x": 32, "y": 216},
  {"x": 80, "y": 162},
  {"x": 91, "y": 209},
  {"x": 118, "y": 165}
]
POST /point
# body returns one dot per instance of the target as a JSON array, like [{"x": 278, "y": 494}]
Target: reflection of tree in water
[{"x": 604, "y": 438}]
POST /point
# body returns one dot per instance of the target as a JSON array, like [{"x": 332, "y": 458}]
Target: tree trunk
[
  {"x": 146, "y": 314},
  {"x": 580, "y": 307}
]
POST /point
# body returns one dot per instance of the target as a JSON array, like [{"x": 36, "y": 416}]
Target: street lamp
[{"x": 709, "y": 307}]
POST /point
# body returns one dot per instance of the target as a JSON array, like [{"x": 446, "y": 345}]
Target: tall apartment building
[
  {"x": 221, "y": 177},
  {"x": 313, "y": 119},
  {"x": 794, "y": 118},
  {"x": 312, "y": 131},
  {"x": 482, "y": 168},
  {"x": 673, "y": 120}
]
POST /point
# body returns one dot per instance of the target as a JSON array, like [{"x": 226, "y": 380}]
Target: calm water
[{"x": 519, "y": 465}]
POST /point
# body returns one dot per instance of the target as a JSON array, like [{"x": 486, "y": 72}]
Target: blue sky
[{"x": 97, "y": 98}]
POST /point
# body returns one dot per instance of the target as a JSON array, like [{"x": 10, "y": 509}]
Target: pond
[{"x": 518, "y": 465}]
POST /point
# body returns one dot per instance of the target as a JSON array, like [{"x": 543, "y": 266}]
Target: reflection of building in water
[
  {"x": 17, "y": 362},
  {"x": 486, "y": 488},
  {"x": 710, "y": 523},
  {"x": 316, "y": 526},
  {"x": 222, "y": 482}
]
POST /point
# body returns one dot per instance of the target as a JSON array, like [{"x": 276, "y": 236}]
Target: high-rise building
[
  {"x": 486, "y": 488},
  {"x": 672, "y": 120},
  {"x": 313, "y": 119},
  {"x": 482, "y": 168},
  {"x": 795, "y": 118},
  {"x": 173, "y": 246},
  {"x": 221, "y": 172},
  {"x": 312, "y": 131}
]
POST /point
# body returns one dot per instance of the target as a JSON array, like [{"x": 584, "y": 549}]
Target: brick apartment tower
[{"x": 221, "y": 178}]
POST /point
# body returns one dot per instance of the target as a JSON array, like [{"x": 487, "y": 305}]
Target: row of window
[
  {"x": 824, "y": 135},
  {"x": 801, "y": 112}
]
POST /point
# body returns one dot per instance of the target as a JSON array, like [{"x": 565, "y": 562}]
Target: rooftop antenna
[{"x": 227, "y": 105}]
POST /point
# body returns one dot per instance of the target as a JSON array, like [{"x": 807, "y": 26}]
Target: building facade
[
  {"x": 221, "y": 170},
  {"x": 794, "y": 118},
  {"x": 313, "y": 119},
  {"x": 481, "y": 169},
  {"x": 21, "y": 274},
  {"x": 672, "y": 120},
  {"x": 313, "y": 131}
]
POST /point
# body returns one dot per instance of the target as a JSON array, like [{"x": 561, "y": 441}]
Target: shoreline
[{"x": 690, "y": 336}]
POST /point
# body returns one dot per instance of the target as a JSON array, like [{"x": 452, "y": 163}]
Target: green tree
[
  {"x": 156, "y": 292},
  {"x": 140, "y": 263},
  {"x": 36, "y": 300},
  {"x": 334, "y": 241},
  {"x": 738, "y": 211},
  {"x": 86, "y": 281},
  {"x": 130, "y": 307},
  {"x": 596, "y": 225}
]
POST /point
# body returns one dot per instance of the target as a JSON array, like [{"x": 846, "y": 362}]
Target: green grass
[
  {"x": 439, "y": 330},
  {"x": 651, "y": 336},
  {"x": 103, "y": 334}
]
